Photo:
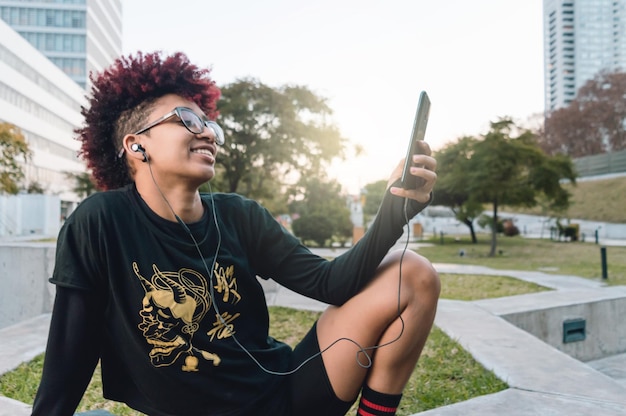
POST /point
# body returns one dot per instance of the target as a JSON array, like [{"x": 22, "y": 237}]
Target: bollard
[
  {"x": 596, "y": 236},
  {"x": 605, "y": 273}
]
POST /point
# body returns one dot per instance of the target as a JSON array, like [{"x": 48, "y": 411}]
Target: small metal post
[
  {"x": 605, "y": 274},
  {"x": 441, "y": 234},
  {"x": 596, "y": 236}
]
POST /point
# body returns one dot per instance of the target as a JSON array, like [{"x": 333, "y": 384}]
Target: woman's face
[{"x": 176, "y": 155}]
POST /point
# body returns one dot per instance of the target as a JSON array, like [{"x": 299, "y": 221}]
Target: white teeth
[{"x": 202, "y": 151}]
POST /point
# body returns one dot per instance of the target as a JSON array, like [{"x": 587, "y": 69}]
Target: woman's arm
[
  {"x": 336, "y": 281},
  {"x": 72, "y": 352}
]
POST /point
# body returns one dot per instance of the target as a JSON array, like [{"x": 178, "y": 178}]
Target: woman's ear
[{"x": 133, "y": 148}]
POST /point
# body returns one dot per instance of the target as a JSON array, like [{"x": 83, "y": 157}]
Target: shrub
[{"x": 509, "y": 229}]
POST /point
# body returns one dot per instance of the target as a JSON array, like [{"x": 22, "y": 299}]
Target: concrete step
[
  {"x": 515, "y": 402},
  {"x": 536, "y": 372},
  {"x": 23, "y": 341}
]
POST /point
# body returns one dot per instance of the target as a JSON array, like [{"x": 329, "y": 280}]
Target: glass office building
[
  {"x": 581, "y": 38},
  {"x": 44, "y": 103},
  {"x": 78, "y": 36},
  {"x": 47, "y": 50}
]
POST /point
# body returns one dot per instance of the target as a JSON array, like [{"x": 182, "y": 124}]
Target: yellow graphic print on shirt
[
  {"x": 172, "y": 308},
  {"x": 226, "y": 284}
]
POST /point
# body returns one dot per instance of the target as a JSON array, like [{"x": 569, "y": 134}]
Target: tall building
[
  {"x": 47, "y": 50},
  {"x": 581, "y": 38},
  {"x": 44, "y": 103},
  {"x": 78, "y": 36}
]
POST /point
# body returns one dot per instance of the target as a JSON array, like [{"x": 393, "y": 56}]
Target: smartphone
[{"x": 419, "y": 130}]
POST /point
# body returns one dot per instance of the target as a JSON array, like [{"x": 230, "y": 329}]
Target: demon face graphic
[{"x": 173, "y": 306}]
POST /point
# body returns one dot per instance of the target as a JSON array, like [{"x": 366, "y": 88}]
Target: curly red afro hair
[{"x": 120, "y": 98}]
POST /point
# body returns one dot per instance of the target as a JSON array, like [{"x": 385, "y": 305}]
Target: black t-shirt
[{"x": 171, "y": 307}]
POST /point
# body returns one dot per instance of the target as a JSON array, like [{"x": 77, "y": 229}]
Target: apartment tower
[{"x": 581, "y": 38}]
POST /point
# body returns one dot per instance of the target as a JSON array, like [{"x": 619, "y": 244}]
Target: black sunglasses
[{"x": 193, "y": 122}]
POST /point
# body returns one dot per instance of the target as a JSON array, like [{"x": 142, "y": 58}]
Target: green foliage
[
  {"x": 14, "y": 152},
  {"x": 313, "y": 227},
  {"x": 506, "y": 167},
  {"x": 486, "y": 221},
  {"x": 373, "y": 195},
  {"x": 273, "y": 133},
  {"x": 83, "y": 183},
  {"x": 21, "y": 383},
  {"x": 34, "y": 188},
  {"x": 454, "y": 162},
  {"x": 322, "y": 211}
]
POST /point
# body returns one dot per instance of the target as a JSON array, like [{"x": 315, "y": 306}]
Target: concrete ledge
[
  {"x": 522, "y": 360},
  {"x": 614, "y": 367},
  {"x": 513, "y": 402},
  {"x": 10, "y": 407},
  {"x": 543, "y": 315},
  {"x": 548, "y": 300},
  {"x": 23, "y": 342},
  {"x": 26, "y": 292},
  {"x": 288, "y": 297},
  {"x": 276, "y": 295}
]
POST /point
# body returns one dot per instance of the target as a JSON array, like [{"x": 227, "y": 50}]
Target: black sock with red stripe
[{"x": 374, "y": 403}]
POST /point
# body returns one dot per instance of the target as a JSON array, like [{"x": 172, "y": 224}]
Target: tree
[
  {"x": 315, "y": 227},
  {"x": 14, "y": 153},
  {"x": 593, "y": 123},
  {"x": 452, "y": 188},
  {"x": 315, "y": 199},
  {"x": 84, "y": 185},
  {"x": 506, "y": 167},
  {"x": 34, "y": 188},
  {"x": 272, "y": 134},
  {"x": 373, "y": 194}
]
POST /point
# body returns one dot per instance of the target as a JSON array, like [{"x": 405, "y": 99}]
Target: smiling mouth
[{"x": 203, "y": 152}]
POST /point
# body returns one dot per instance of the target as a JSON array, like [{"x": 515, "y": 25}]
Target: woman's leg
[{"x": 388, "y": 309}]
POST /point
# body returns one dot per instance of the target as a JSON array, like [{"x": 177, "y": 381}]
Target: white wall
[
  {"x": 30, "y": 215},
  {"x": 24, "y": 273}
]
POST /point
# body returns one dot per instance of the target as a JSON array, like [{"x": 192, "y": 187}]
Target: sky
[{"x": 478, "y": 60}]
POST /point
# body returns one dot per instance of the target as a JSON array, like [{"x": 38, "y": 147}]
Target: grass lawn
[
  {"x": 518, "y": 253},
  {"x": 595, "y": 200},
  {"x": 474, "y": 287}
]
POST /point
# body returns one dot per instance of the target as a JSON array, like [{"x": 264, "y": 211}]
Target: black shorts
[{"x": 310, "y": 388}]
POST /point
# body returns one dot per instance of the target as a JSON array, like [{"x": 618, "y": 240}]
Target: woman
[{"x": 159, "y": 282}]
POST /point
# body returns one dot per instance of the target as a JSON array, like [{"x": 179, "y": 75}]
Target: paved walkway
[{"x": 541, "y": 379}]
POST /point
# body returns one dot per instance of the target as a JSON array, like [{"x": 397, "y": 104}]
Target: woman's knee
[
  {"x": 418, "y": 280},
  {"x": 418, "y": 274}
]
